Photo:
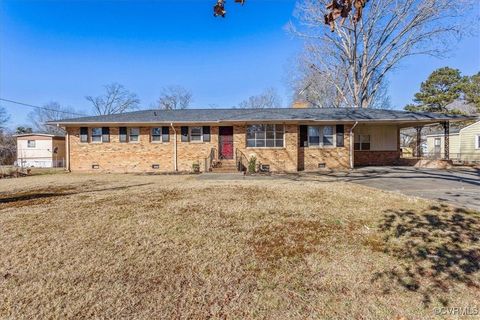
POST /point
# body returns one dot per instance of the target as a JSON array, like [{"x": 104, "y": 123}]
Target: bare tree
[
  {"x": 4, "y": 117},
  {"x": 267, "y": 99},
  {"x": 174, "y": 97},
  {"x": 116, "y": 99},
  {"x": 8, "y": 147},
  {"x": 50, "y": 112},
  {"x": 356, "y": 59}
]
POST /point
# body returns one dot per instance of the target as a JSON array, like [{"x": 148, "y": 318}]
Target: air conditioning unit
[{"x": 264, "y": 168}]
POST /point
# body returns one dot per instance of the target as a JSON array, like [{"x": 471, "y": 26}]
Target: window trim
[
  {"x": 360, "y": 142},
  {"x": 120, "y": 135},
  {"x": 129, "y": 135},
  {"x": 86, "y": 134},
  {"x": 320, "y": 132},
  {"x": 274, "y": 137},
  {"x": 190, "y": 134},
  {"x": 34, "y": 144},
  {"x": 101, "y": 135},
  {"x": 159, "y": 135}
]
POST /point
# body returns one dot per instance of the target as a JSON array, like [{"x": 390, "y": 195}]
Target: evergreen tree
[{"x": 442, "y": 87}]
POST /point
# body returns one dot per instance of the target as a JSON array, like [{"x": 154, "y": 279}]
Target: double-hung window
[
  {"x": 362, "y": 142},
  {"x": 84, "y": 134},
  {"x": 265, "y": 136},
  {"x": 321, "y": 136},
  {"x": 156, "y": 134},
  {"x": 477, "y": 140},
  {"x": 96, "y": 135},
  {"x": 196, "y": 134},
  {"x": 134, "y": 135},
  {"x": 122, "y": 134},
  {"x": 31, "y": 143}
]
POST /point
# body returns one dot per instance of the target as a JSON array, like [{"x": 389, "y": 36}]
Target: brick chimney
[{"x": 300, "y": 104}]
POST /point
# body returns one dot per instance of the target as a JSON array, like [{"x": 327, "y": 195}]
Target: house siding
[
  {"x": 462, "y": 144},
  {"x": 384, "y": 145},
  {"x": 468, "y": 150},
  {"x": 42, "y": 154},
  {"x": 454, "y": 142}
]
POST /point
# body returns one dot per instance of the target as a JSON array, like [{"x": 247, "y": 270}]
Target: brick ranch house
[{"x": 283, "y": 139}]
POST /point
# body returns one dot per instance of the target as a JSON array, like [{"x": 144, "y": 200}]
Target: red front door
[{"x": 226, "y": 142}]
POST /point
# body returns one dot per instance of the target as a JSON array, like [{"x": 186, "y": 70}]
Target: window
[
  {"x": 134, "y": 134},
  {"x": 362, "y": 142},
  {"x": 96, "y": 135},
  {"x": 196, "y": 134},
  {"x": 31, "y": 143},
  {"x": 122, "y": 134},
  {"x": 165, "y": 134},
  {"x": 265, "y": 136},
  {"x": 477, "y": 145},
  {"x": 105, "y": 134},
  {"x": 320, "y": 136},
  {"x": 156, "y": 135},
  {"x": 83, "y": 134}
]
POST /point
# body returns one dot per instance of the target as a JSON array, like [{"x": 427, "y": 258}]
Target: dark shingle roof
[{"x": 274, "y": 114}]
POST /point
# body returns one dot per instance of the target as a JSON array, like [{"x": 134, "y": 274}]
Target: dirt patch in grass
[
  {"x": 33, "y": 197},
  {"x": 292, "y": 239},
  {"x": 130, "y": 246}
]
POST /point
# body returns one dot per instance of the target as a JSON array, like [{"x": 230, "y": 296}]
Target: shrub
[{"x": 252, "y": 164}]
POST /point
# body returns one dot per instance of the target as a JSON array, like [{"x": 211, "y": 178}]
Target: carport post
[
  {"x": 418, "y": 147},
  {"x": 446, "y": 136}
]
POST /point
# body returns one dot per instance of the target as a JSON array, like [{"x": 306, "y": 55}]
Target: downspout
[
  {"x": 174, "y": 147},
  {"x": 351, "y": 144}
]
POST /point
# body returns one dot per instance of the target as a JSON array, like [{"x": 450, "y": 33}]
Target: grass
[{"x": 133, "y": 246}]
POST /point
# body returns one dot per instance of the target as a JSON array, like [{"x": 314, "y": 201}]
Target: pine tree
[{"x": 442, "y": 87}]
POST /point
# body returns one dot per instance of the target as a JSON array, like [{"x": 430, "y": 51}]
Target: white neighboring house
[
  {"x": 40, "y": 150},
  {"x": 464, "y": 144}
]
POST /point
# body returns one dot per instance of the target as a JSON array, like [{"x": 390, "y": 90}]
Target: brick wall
[
  {"x": 115, "y": 156},
  {"x": 334, "y": 158},
  {"x": 279, "y": 159},
  {"x": 140, "y": 156},
  {"x": 376, "y": 158}
]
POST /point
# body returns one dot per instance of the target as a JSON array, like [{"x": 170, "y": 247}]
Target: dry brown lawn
[{"x": 176, "y": 247}]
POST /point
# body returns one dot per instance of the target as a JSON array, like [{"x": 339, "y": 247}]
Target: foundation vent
[{"x": 155, "y": 166}]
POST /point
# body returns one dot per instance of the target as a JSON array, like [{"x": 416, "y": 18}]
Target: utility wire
[{"x": 38, "y": 107}]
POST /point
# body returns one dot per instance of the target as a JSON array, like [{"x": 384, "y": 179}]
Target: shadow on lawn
[
  {"x": 437, "y": 248},
  {"x": 40, "y": 196}
]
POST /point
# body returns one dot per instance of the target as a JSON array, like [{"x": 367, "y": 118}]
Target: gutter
[
  {"x": 174, "y": 147},
  {"x": 352, "y": 144}
]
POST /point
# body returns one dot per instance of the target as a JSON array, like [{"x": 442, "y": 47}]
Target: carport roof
[{"x": 345, "y": 115}]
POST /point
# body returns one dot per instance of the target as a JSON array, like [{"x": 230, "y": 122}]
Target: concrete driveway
[{"x": 458, "y": 186}]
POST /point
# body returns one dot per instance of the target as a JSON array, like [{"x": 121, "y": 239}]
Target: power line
[{"x": 38, "y": 107}]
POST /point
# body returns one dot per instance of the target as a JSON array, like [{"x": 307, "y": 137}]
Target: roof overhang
[{"x": 403, "y": 123}]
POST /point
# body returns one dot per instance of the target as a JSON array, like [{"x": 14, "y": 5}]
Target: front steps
[{"x": 224, "y": 166}]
